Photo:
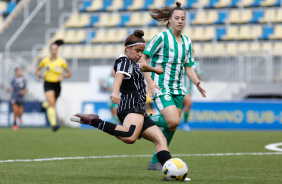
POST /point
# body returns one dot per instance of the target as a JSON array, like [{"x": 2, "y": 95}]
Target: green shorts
[{"x": 168, "y": 99}]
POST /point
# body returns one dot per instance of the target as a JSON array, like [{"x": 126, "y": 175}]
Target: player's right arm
[{"x": 37, "y": 71}]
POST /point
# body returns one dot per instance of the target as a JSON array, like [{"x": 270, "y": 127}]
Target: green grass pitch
[{"x": 28, "y": 143}]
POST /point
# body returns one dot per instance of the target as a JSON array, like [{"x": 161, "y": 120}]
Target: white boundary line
[{"x": 131, "y": 156}]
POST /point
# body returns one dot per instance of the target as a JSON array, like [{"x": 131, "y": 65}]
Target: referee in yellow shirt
[{"x": 53, "y": 76}]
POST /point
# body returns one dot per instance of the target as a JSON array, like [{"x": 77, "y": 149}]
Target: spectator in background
[
  {"x": 53, "y": 77},
  {"x": 18, "y": 89}
]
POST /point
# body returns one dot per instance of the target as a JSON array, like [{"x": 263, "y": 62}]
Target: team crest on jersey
[
  {"x": 171, "y": 50},
  {"x": 167, "y": 97}
]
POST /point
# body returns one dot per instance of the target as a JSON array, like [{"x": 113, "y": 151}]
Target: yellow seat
[
  {"x": 153, "y": 31},
  {"x": 243, "y": 48},
  {"x": 156, "y": 4},
  {"x": 136, "y": 5},
  {"x": 246, "y": 16},
  {"x": 276, "y": 33},
  {"x": 255, "y": 46},
  {"x": 231, "y": 33},
  {"x": 104, "y": 20},
  {"x": 278, "y": 17},
  {"x": 256, "y": 32},
  {"x": 84, "y": 20},
  {"x": 72, "y": 21},
  {"x": 116, "y": 5},
  {"x": 3, "y": 6},
  {"x": 45, "y": 52},
  {"x": 232, "y": 48},
  {"x": 80, "y": 36},
  {"x": 70, "y": 36},
  {"x": 222, "y": 3},
  {"x": 235, "y": 16},
  {"x": 197, "y": 48},
  {"x": 267, "y": 47},
  {"x": 268, "y": 2},
  {"x": 146, "y": 19},
  {"x": 220, "y": 49},
  {"x": 121, "y": 35},
  {"x": 201, "y": 3},
  {"x": 111, "y": 35},
  {"x": 200, "y": 18},
  {"x": 114, "y": 19},
  {"x": 87, "y": 52},
  {"x": 188, "y": 32},
  {"x": 135, "y": 20},
  {"x": 95, "y": 5},
  {"x": 198, "y": 34},
  {"x": 245, "y": 3},
  {"x": 67, "y": 52},
  {"x": 100, "y": 36},
  {"x": 269, "y": 16},
  {"x": 98, "y": 51},
  {"x": 110, "y": 51},
  {"x": 244, "y": 33},
  {"x": 212, "y": 17},
  {"x": 209, "y": 33},
  {"x": 59, "y": 35},
  {"x": 277, "y": 50},
  {"x": 209, "y": 49}
]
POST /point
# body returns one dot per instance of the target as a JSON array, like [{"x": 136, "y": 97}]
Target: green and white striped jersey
[
  {"x": 188, "y": 84},
  {"x": 163, "y": 50}
]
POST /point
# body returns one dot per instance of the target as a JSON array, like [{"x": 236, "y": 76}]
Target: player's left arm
[
  {"x": 190, "y": 72},
  {"x": 147, "y": 68},
  {"x": 68, "y": 72}
]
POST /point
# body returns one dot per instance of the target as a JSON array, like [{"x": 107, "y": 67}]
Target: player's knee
[
  {"x": 129, "y": 140},
  {"x": 173, "y": 123}
]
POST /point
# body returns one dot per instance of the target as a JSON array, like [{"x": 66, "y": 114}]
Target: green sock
[
  {"x": 185, "y": 117},
  {"x": 159, "y": 120},
  {"x": 168, "y": 135}
]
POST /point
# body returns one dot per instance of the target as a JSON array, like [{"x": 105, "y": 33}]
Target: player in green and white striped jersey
[{"x": 173, "y": 51}]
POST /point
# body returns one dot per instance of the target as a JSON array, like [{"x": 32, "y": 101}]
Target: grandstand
[{"x": 236, "y": 41}]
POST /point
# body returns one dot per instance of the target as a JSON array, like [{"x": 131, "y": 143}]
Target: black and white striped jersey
[{"x": 133, "y": 87}]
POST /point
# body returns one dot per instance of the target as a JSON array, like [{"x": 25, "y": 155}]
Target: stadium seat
[
  {"x": 84, "y": 4},
  {"x": 72, "y": 21},
  {"x": 255, "y": 46},
  {"x": 111, "y": 34},
  {"x": 232, "y": 48},
  {"x": 191, "y": 3},
  {"x": 98, "y": 51},
  {"x": 276, "y": 33},
  {"x": 60, "y": 34},
  {"x": 67, "y": 52},
  {"x": 267, "y": 47},
  {"x": 136, "y": 5},
  {"x": 87, "y": 51},
  {"x": 222, "y": 3},
  {"x": 156, "y": 4},
  {"x": 212, "y": 17},
  {"x": 100, "y": 36},
  {"x": 257, "y": 32},
  {"x": 201, "y": 4},
  {"x": 116, "y": 5},
  {"x": 134, "y": 20},
  {"x": 188, "y": 32},
  {"x": 278, "y": 17},
  {"x": 114, "y": 19},
  {"x": 245, "y": 16},
  {"x": 200, "y": 18},
  {"x": 246, "y": 3},
  {"x": 184, "y": 3},
  {"x": 231, "y": 33},
  {"x": 247, "y": 32},
  {"x": 222, "y": 16},
  {"x": 220, "y": 32},
  {"x": 198, "y": 34},
  {"x": 220, "y": 49},
  {"x": 234, "y": 3},
  {"x": 268, "y": 2},
  {"x": 3, "y": 6},
  {"x": 95, "y": 5},
  {"x": 77, "y": 20},
  {"x": 257, "y": 15},
  {"x": 209, "y": 34},
  {"x": 243, "y": 48},
  {"x": 104, "y": 20},
  {"x": 209, "y": 49},
  {"x": 148, "y": 20},
  {"x": 269, "y": 16},
  {"x": 121, "y": 35},
  {"x": 234, "y": 16},
  {"x": 70, "y": 36},
  {"x": 267, "y": 30},
  {"x": 277, "y": 49}
]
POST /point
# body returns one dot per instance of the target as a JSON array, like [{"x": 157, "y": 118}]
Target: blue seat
[
  {"x": 257, "y": 14},
  {"x": 106, "y": 4},
  {"x": 192, "y": 16},
  {"x": 11, "y": 6},
  {"x": 191, "y": 2},
  {"x": 147, "y": 3},
  {"x": 220, "y": 32},
  {"x": 211, "y": 4},
  {"x": 124, "y": 19},
  {"x": 85, "y": 4},
  {"x": 256, "y": 3},
  {"x": 267, "y": 30},
  {"x": 126, "y": 4},
  {"x": 278, "y": 3},
  {"x": 93, "y": 20},
  {"x": 221, "y": 17},
  {"x": 234, "y": 3}
]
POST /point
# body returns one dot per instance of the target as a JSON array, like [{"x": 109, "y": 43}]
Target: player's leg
[
  {"x": 15, "y": 110},
  {"x": 187, "y": 103},
  {"x": 21, "y": 110},
  {"x": 128, "y": 133},
  {"x": 51, "y": 112},
  {"x": 155, "y": 135}
]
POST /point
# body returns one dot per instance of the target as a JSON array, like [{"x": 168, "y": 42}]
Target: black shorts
[
  {"x": 19, "y": 103},
  {"x": 147, "y": 121},
  {"x": 54, "y": 86}
]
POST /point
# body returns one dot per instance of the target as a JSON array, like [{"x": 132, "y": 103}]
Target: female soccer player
[
  {"x": 129, "y": 80},
  {"x": 18, "y": 89},
  {"x": 171, "y": 50},
  {"x": 54, "y": 66}
]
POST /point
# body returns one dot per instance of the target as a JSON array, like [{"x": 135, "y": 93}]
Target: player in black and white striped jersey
[{"x": 129, "y": 81}]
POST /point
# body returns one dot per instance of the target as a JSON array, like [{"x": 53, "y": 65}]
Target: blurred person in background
[
  {"x": 53, "y": 77},
  {"x": 189, "y": 89},
  {"x": 18, "y": 89},
  {"x": 108, "y": 86}
]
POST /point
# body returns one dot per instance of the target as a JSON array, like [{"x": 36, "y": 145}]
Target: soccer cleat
[
  {"x": 15, "y": 127},
  {"x": 187, "y": 179},
  {"x": 186, "y": 128},
  {"x": 156, "y": 166},
  {"x": 84, "y": 118},
  {"x": 55, "y": 128}
]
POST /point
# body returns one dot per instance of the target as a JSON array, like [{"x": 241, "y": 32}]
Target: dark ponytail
[
  {"x": 136, "y": 37},
  {"x": 163, "y": 15}
]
